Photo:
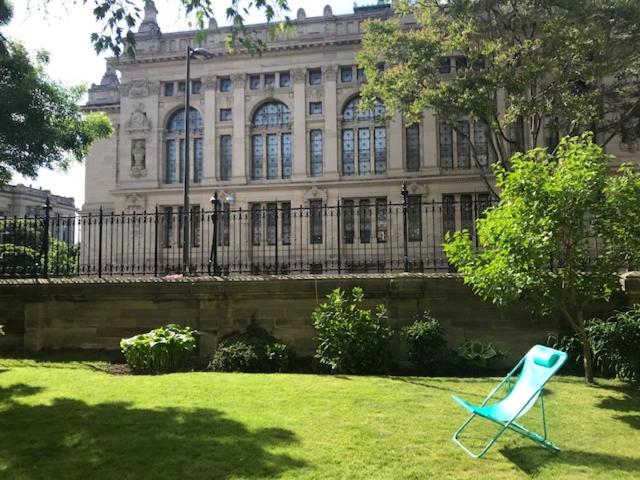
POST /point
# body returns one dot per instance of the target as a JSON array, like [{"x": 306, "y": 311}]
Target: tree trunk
[{"x": 587, "y": 357}]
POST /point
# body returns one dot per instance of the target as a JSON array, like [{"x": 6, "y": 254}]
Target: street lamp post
[{"x": 186, "y": 261}]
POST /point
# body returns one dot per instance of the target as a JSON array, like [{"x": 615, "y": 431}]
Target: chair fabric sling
[{"x": 536, "y": 368}]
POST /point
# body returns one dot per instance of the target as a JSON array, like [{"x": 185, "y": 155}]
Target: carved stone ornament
[
  {"x": 315, "y": 193},
  {"x": 138, "y": 158},
  {"x": 327, "y": 12},
  {"x": 416, "y": 189},
  {"x": 135, "y": 203},
  {"x": 238, "y": 80},
  {"x": 210, "y": 83},
  {"x": 139, "y": 88},
  {"x": 330, "y": 73},
  {"x": 299, "y": 74},
  {"x": 138, "y": 119}
]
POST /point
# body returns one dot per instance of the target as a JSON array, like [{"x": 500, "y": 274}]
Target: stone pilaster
[
  {"x": 331, "y": 164},
  {"x": 240, "y": 160},
  {"x": 299, "y": 125},
  {"x": 211, "y": 166},
  {"x": 396, "y": 154}
]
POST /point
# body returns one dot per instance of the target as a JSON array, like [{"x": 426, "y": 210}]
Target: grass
[{"x": 62, "y": 420}]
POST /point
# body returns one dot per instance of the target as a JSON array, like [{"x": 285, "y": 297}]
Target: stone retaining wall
[{"x": 97, "y": 313}]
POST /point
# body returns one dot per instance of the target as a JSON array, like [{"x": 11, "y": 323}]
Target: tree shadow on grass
[
  {"x": 628, "y": 404},
  {"x": 69, "y": 438},
  {"x": 531, "y": 459}
]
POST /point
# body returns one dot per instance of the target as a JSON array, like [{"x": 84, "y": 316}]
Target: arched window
[
  {"x": 174, "y": 146},
  {"x": 364, "y": 137},
  {"x": 271, "y": 149}
]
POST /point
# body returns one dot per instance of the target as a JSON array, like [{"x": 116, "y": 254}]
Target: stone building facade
[{"x": 277, "y": 131}]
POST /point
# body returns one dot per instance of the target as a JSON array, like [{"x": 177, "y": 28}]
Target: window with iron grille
[
  {"x": 197, "y": 160},
  {"x": 256, "y": 224},
  {"x": 348, "y": 151},
  {"x": 316, "y": 158},
  {"x": 371, "y": 142},
  {"x": 224, "y": 224},
  {"x": 364, "y": 214},
  {"x": 225, "y": 157},
  {"x": 315, "y": 221},
  {"x": 382, "y": 219},
  {"x": 348, "y": 233},
  {"x": 516, "y": 135},
  {"x": 166, "y": 223},
  {"x": 464, "y": 148},
  {"x": 272, "y": 223},
  {"x": 380, "y": 149},
  {"x": 448, "y": 214},
  {"x": 174, "y": 146},
  {"x": 271, "y": 141},
  {"x": 286, "y": 156},
  {"x": 256, "y": 157},
  {"x": 272, "y": 156},
  {"x": 414, "y": 218},
  {"x": 481, "y": 139},
  {"x": 445, "y": 137},
  {"x": 285, "y": 210},
  {"x": 412, "y": 143},
  {"x": 466, "y": 213},
  {"x": 275, "y": 218},
  {"x": 194, "y": 224}
]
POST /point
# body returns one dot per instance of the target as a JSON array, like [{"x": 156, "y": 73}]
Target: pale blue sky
[{"x": 64, "y": 33}]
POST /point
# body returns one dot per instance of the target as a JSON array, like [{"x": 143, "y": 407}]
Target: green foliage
[
  {"x": 616, "y": 344},
  {"x": 40, "y": 121},
  {"x": 476, "y": 355},
  {"x": 537, "y": 243},
  {"x": 163, "y": 350},
  {"x": 563, "y": 63},
  {"x": 426, "y": 344},
  {"x": 351, "y": 338},
  {"x": 255, "y": 350},
  {"x": 22, "y": 244}
]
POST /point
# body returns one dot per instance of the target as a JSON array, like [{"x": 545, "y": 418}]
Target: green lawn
[{"x": 63, "y": 420}]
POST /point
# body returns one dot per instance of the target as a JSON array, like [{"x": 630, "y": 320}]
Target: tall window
[
  {"x": 224, "y": 224},
  {"x": 364, "y": 139},
  {"x": 516, "y": 135},
  {"x": 269, "y": 219},
  {"x": 445, "y": 137},
  {"x": 364, "y": 213},
  {"x": 464, "y": 148},
  {"x": 412, "y": 144},
  {"x": 481, "y": 139},
  {"x": 414, "y": 218},
  {"x": 225, "y": 157},
  {"x": 315, "y": 221},
  {"x": 271, "y": 142},
  {"x": 448, "y": 214},
  {"x": 174, "y": 146},
  {"x": 347, "y": 221},
  {"x": 315, "y": 147},
  {"x": 166, "y": 222}
]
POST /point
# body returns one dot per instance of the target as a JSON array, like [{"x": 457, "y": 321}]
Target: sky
[{"x": 64, "y": 31}]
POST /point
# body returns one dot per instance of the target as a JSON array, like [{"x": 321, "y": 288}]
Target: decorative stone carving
[
  {"x": 149, "y": 24},
  {"x": 135, "y": 203},
  {"x": 327, "y": 12},
  {"x": 315, "y": 193},
  {"x": 139, "y": 88},
  {"x": 138, "y": 119},
  {"x": 330, "y": 73},
  {"x": 138, "y": 158},
  {"x": 301, "y": 14},
  {"x": 154, "y": 88},
  {"x": 210, "y": 83},
  {"x": 299, "y": 74},
  {"x": 238, "y": 80},
  {"x": 416, "y": 189},
  {"x": 213, "y": 24}
]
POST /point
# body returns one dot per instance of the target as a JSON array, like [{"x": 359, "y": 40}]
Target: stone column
[
  {"x": 429, "y": 141},
  {"x": 239, "y": 158},
  {"x": 396, "y": 155},
  {"x": 299, "y": 125},
  {"x": 210, "y": 161},
  {"x": 331, "y": 164}
]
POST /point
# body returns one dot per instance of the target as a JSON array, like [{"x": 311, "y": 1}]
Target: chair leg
[{"x": 486, "y": 448}]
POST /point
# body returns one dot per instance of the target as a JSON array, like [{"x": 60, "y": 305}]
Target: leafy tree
[
  {"x": 40, "y": 122},
  {"x": 538, "y": 243},
  {"x": 557, "y": 67},
  {"x": 120, "y": 20}
]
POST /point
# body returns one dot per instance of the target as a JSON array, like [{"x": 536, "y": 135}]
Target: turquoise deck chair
[{"x": 536, "y": 369}]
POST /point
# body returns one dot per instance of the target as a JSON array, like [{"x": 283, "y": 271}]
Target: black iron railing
[{"x": 357, "y": 236}]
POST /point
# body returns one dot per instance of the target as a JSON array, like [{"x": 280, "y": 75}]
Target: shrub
[
  {"x": 255, "y": 350},
  {"x": 477, "y": 355},
  {"x": 163, "y": 350},
  {"x": 352, "y": 339},
  {"x": 426, "y": 344}
]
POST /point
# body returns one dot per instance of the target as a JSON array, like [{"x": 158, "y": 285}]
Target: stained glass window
[
  {"x": 446, "y": 145},
  {"x": 381, "y": 220},
  {"x": 364, "y": 214},
  {"x": 412, "y": 143},
  {"x": 176, "y": 121},
  {"x": 380, "y": 149},
  {"x": 181, "y": 166},
  {"x": 256, "y": 157},
  {"x": 464, "y": 149},
  {"x": 197, "y": 160},
  {"x": 272, "y": 114},
  {"x": 481, "y": 140},
  {"x": 315, "y": 221},
  {"x": 256, "y": 223},
  {"x": 352, "y": 114},
  {"x": 484, "y": 202},
  {"x": 225, "y": 157},
  {"x": 272, "y": 223},
  {"x": 315, "y": 146},
  {"x": 272, "y": 156},
  {"x": 286, "y": 155},
  {"x": 364, "y": 151},
  {"x": 414, "y": 218},
  {"x": 347, "y": 221},
  {"x": 348, "y": 152}
]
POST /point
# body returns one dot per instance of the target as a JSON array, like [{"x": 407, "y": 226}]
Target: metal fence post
[
  {"x": 100, "y": 243},
  {"x": 405, "y": 228},
  {"x": 213, "y": 257},
  {"x": 339, "y": 238},
  {"x": 45, "y": 243},
  {"x": 155, "y": 246},
  {"x": 276, "y": 239}
]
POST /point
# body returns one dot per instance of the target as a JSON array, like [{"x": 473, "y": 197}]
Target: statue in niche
[{"x": 138, "y": 158}]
